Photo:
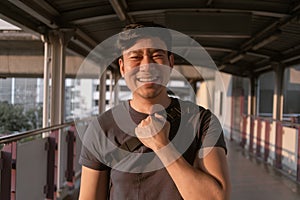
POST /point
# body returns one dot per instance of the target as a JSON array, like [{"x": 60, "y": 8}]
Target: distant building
[{"x": 25, "y": 91}]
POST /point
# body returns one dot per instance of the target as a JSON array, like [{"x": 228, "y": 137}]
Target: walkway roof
[{"x": 244, "y": 37}]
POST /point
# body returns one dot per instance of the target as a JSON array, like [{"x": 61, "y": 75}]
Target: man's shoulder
[{"x": 187, "y": 106}]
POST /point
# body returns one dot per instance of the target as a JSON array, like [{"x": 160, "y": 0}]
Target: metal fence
[
  {"x": 40, "y": 164},
  {"x": 275, "y": 142}
]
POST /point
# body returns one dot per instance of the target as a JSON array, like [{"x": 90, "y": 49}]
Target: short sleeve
[
  {"x": 92, "y": 147},
  {"x": 211, "y": 131},
  {"x": 87, "y": 159}
]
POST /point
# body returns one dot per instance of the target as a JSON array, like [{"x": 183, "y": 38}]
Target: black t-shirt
[{"x": 109, "y": 143}]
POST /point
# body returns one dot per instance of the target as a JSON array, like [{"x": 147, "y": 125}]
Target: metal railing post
[
  {"x": 50, "y": 187},
  {"x": 278, "y": 145},
  {"x": 298, "y": 157},
  {"x": 69, "y": 173},
  {"x": 267, "y": 141},
  {"x": 244, "y": 131},
  {"x": 258, "y": 137},
  {"x": 5, "y": 175}
]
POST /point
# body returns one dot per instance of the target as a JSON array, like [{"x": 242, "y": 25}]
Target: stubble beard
[{"x": 156, "y": 91}]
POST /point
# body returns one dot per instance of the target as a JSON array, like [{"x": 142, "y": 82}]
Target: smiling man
[{"x": 153, "y": 146}]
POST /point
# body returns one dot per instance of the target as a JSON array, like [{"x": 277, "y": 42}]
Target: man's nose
[
  {"x": 146, "y": 62},
  {"x": 145, "y": 67}
]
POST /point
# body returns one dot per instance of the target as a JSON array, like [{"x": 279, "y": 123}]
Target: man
[{"x": 165, "y": 148}]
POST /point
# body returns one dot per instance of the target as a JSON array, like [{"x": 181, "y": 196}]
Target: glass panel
[
  {"x": 291, "y": 92},
  {"x": 21, "y": 104},
  {"x": 266, "y": 84},
  {"x": 31, "y": 169}
]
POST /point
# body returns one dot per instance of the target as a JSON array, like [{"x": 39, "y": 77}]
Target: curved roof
[{"x": 244, "y": 37}]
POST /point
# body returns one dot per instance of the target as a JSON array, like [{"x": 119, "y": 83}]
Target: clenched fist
[{"x": 153, "y": 132}]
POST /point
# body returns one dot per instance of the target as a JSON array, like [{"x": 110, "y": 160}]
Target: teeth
[{"x": 147, "y": 79}]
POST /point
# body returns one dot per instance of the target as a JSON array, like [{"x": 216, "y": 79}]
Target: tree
[
  {"x": 35, "y": 116},
  {"x": 12, "y": 118}
]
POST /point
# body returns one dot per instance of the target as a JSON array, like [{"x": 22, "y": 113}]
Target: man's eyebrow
[
  {"x": 134, "y": 51},
  {"x": 157, "y": 50}
]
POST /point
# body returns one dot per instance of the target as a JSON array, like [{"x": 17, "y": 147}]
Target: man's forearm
[{"x": 191, "y": 182}]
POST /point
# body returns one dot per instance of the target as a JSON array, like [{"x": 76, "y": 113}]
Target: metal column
[
  {"x": 278, "y": 97},
  {"x": 47, "y": 60},
  {"x": 102, "y": 92},
  {"x": 252, "y": 108},
  {"x": 277, "y": 111},
  {"x": 58, "y": 40}
]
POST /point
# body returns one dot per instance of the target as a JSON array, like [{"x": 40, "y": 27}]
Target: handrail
[
  {"x": 18, "y": 136},
  {"x": 272, "y": 120}
]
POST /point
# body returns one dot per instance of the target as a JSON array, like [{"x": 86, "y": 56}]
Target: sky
[{"x": 7, "y": 26}]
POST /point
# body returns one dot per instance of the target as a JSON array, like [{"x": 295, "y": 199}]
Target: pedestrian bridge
[
  {"x": 32, "y": 166},
  {"x": 254, "y": 88}
]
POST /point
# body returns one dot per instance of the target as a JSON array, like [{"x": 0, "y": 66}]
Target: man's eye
[
  {"x": 135, "y": 57},
  {"x": 158, "y": 56}
]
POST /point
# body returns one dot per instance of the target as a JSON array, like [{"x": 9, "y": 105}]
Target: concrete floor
[{"x": 252, "y": 179}]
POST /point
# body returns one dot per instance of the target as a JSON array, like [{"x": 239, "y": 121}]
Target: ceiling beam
[
  {"x": 8, "y": 13},
  {"x": 232, "y": 25},
  {"x": 36, "y": 13},
  {"x": 91, "y": 42},
  {"x": 266, "y": 41},
  {"x": 50, "y": 9},
  {"x": 209, "y": 2},
  {"x": 120, "y": 10},
  {"x": 96, "y": 17},
  {"x": 208, "y": 48},
  {"x": 213, "y": 10},
  {"x": 264, "y": 36}
]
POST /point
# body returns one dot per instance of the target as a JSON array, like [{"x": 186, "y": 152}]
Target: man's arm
[
  {"x": 94, "y": 184},
  {"x": 207, "y": 179}
]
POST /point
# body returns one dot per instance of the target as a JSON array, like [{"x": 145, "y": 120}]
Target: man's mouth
[{"x": 148, "y": 79}]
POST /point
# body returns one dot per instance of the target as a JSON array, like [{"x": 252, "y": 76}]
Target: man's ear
[
  {"x": 171, "y": 60},
  {"x": 121, "y": 65}
]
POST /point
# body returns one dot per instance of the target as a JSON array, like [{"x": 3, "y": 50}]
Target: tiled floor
[{"x": 252, "y": 179}]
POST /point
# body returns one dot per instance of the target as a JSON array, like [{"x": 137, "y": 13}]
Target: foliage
[
  {"x": 34, "y": 116},
  {"x": 13, "y": 118}
]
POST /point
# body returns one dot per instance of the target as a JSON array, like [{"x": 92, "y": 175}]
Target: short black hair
[{"x": 133, "y": 32}]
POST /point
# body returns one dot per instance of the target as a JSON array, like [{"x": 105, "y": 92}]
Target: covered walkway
[
  {"x": 253, "y": 179},
  {"x": 254, "y": 45}
]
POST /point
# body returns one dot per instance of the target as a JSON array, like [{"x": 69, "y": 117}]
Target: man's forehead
[{"x": 147, "y": 43}]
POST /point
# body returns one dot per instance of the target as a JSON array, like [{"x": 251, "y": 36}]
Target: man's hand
[{"x": 153, "y": 132}]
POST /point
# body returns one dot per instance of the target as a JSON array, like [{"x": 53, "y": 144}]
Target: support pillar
[
  {"x": 58, "y": 40},
  {"x": 117, "y": 76},
  {"x": 47, "y": 61},
  {"x": 193, "y": 92},
  {"x": 252, "y": 109},
  {"x": 278, "y": 96},
  {"x": 203, "y": 95},
  {"x": 55, "y": 56},
  {"x": 102, "y": 92},
  {"x": 277, "y": 111}
]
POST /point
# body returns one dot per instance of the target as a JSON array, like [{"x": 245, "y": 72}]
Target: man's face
[{"x": 146, "y": 67}]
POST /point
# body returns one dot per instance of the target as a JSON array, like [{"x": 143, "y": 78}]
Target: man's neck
[{"x": 145, "y": 105}]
